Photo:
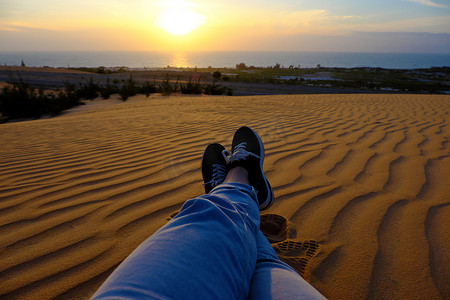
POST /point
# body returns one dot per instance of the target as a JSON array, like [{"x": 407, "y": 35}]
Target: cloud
[
  {"x": 265, "y": 22},
  {"x": 388, "y": 42},
  {"x": 7, "y": 27},
  {"x": 15, "y": 26},
  {"x": 428, "y": 3},
  {"x": 434, "y": 24}
]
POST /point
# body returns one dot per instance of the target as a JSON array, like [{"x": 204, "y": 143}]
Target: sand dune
[{"x": 364, "y": 176}]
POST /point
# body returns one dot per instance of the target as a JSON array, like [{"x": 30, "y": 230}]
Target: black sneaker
[
  {"x": 213, "y": 166},
  {"x": 248, "y": 152}
]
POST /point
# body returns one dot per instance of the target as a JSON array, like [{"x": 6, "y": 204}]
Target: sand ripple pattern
[{"x": 365, "y": 176}]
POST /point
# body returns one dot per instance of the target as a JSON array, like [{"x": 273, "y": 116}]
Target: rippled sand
[{"x": 365, "y": 176}]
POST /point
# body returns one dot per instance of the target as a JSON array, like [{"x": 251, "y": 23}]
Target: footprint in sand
[
  {"x": 276, "y": 228},
  {"x": 297, "y": 254},
  {"x": 281, "y": 233}
]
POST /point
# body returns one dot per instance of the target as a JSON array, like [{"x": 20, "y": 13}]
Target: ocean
[{"x": 142, "y": 59}]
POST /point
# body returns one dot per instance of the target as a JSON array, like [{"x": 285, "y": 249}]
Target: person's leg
[
  {"x": 208, "y": 251},
  {"x": 274, "y": 279}
]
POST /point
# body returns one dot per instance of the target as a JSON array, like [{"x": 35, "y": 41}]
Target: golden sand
[{"x": 365, "y": 176}]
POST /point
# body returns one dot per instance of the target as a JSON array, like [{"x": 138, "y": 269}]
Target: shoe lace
[
  {"x": 240, "y": 152},
  {"x": 219, "y": 174}
]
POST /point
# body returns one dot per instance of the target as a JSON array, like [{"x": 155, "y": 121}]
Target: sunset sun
[{"x": 178, "y": 17}]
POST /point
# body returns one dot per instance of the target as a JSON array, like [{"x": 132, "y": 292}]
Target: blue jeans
[{"x": 213, "y": 249}]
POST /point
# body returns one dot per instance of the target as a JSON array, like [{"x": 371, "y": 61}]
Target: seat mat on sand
[{"x": 282, "y": 235}]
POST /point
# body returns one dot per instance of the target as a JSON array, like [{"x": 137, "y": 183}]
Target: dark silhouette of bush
[
  {"x": 68, "y": 98},
  {"x": 108, "y": 89},
  {"x": 123, "y": 94},
  {"x": 88, "y": 91},
  {"x": 55, "y": 104},
  {"x": 166, "y": 88},
  {"x": 241, "y": 66},
  {"x": 217, "y": 75},
  {"x": 215, "y": 89},
  {"x": 128, "y": 89},
  {"x": 147, "y": 88},
  {"x": 103, "y": 70},
  {"x": 191, "y": 87},
  {"x": 98, "y": 70},
  {"x": 22, "y": 101}
]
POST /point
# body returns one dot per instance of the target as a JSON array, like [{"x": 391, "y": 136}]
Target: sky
[{"x": 408, "y": 26}]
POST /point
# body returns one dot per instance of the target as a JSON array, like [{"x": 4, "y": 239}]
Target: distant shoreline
[{"x": 223, "y": 59}]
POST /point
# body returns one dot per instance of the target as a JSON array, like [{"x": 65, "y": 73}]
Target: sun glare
[{"x": 178, "y": 18}]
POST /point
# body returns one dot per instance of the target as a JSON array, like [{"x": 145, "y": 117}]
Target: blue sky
[{"x": 319, "y": 25}]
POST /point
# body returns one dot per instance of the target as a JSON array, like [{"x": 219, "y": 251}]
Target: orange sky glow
[{"x": 200, "y": 25}]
